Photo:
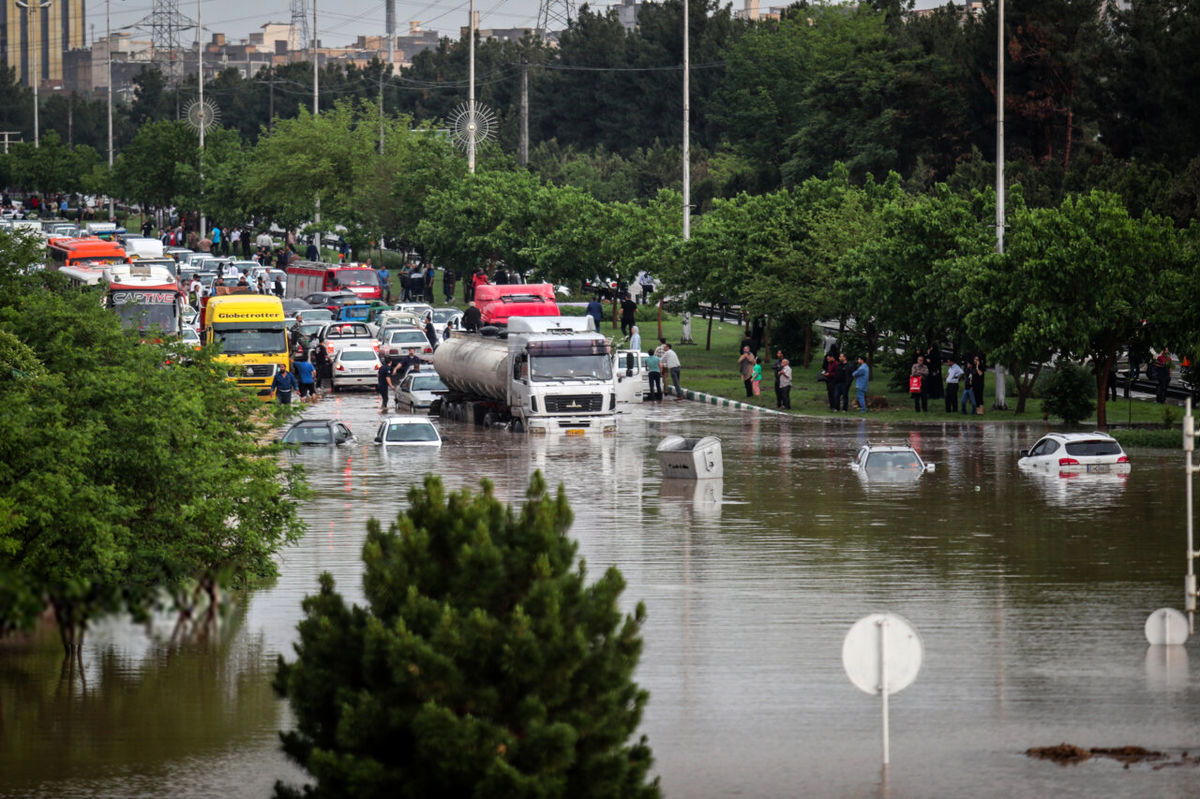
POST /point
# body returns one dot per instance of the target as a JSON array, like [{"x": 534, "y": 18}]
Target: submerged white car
[
  {"x": 407, "y": 431},
  {"x": 1070, "y": 454},
  {"x": 889, "y": 462}
]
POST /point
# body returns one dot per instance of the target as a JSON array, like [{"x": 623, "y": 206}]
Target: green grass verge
[{"x": 1151, "y": 439}]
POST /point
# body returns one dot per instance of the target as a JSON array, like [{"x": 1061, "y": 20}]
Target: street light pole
[
  {"x": 1000, "y": 392},
  {"x": 108, "y": 67},
  {"x": 687, "y": 152},
  {"x": 34, "y": 44},
  {"x": 202, "y": 109},
  {"x": 471, "y": 95}
]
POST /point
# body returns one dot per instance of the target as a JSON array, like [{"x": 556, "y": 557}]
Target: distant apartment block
[{"x": 53, "y": 31}]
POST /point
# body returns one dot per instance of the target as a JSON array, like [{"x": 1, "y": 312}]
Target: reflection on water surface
[{"x": 1028, "y": 593}]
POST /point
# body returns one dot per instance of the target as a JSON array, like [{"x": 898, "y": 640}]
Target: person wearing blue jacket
[
  {"x": 861, "y": 375},
  {"x": 596, "y": 311}
]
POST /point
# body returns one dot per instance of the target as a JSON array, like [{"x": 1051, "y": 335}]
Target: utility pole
[
  {"x": 34, "y": 43},
  {"x": 108, "y": 68},
  {"x": 316, "y": 111},
  {"x": 687, "y": 155},
  {"x": 1000, "y": 393},
  {"x": 523, "y": 152},
  {"x": 471, "y": 121},
  {"x": 203, "y": 115}
]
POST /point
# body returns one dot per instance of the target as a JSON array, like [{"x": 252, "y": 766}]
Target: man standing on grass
[
  {"x": 861, "y": 375},
  {"x": 784, "y": 392},
  {"x": 670, "y": 363}
]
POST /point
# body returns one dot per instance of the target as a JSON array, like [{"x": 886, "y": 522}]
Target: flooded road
[{"x": 1029, "y": 595}]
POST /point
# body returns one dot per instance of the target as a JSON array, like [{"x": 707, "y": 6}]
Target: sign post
[{"x": 882, "y": 654}]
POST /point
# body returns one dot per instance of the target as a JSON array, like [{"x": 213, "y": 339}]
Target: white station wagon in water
[
  {"x": 889, "y": 462},
  {"x": 1071, "y": 454}
]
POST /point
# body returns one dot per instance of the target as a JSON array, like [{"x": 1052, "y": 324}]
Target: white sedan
[
  {"x": 407, "y": 431},
  {"x": 355, "y": 365},
  {"x": 1070, "y": 454}
]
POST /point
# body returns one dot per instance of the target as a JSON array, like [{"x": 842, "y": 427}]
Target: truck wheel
[
  {"x": 489, "y": 420},
  {"x": 517, "y": 426}
]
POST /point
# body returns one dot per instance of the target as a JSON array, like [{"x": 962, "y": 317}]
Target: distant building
[
  {"x": 61, "y": 30},
  {"x": 627, "y": 13}
]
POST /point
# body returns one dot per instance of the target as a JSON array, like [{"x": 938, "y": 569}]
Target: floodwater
[{"x": 1029, "y": 595}]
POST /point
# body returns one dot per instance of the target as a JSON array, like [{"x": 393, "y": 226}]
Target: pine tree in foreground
[{"x": 483, "y": 665}]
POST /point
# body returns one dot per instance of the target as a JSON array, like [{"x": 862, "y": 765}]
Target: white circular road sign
[
  {"x": 1166, "y": 627},
  {"x": 882, "y": 651}
]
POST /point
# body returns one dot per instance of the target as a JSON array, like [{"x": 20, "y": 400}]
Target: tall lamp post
[
  {"x": 34, "y": 44},
  {"x": 108, "y": 68},
  {"x": 1000, "y": 393},
  {"x": 687, "y": 155}
]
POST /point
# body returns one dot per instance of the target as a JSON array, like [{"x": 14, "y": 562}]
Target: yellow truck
[{"x": 251, "y": 331}]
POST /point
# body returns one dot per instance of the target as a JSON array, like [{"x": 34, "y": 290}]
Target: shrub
[{"x": 1070, "y": 393}]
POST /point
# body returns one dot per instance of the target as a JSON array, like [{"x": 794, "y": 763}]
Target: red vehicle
[
  {"x": 497, "y": 303},
  {"x": 310, "y": 277}
]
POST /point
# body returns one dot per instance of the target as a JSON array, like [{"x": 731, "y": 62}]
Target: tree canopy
[{"x": 483, "y": 664}]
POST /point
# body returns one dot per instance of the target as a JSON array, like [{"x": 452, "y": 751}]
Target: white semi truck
[{"x": 550, "y": 374}]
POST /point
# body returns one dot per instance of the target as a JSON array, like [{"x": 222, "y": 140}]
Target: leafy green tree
[
  {"x": 53, "y": 166},
  {"x": 138, "y": 482},
  {"x": 479, "y": 219},
  {"x": 482, "y": 665},
  {"x": 156, "y": 167},
  {"x": 1088, "y": 280}
]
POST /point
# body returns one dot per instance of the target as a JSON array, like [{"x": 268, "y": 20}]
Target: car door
[{"x": 404, "y": 393}]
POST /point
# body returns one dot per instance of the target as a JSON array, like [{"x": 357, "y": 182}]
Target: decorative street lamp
[{"x": 35, "y": 77}]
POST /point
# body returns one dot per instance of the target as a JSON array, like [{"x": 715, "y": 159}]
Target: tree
[
  {"x": 138, "y": 481},
  {"x": 155, "y": 167},
  {"x": 482, "y": 665},
  {"x": 1087, "y": 280}
]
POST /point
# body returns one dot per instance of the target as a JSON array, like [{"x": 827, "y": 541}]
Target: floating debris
[{"x": 1066, "y": 754}]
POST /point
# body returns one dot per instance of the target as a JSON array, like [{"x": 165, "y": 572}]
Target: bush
[
  {"x": 1151, "y": 439},
  {"x": 1070, "y": 393}
]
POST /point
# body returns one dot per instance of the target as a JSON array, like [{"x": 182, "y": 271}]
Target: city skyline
[{"x": 338, "y": 25}]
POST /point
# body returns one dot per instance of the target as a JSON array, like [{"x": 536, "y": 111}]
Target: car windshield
[
  {"x": 358, "y": 355},
  {"x": 443, "y": 315},
  {"x": 570, "y": 367},
  {"x": 893, "y": 460},
  {"x": 409, "y": 431},
  {"x": 407, "y": 337},
  {"x": 245, "y": 341},
  {"x": 308, "y": 434},
  {"x": 428, "y": 383},
  {"x": 1094, "y": 447}
]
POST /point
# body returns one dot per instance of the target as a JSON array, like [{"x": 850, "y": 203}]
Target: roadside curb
[{"x": 725, "y": 402}]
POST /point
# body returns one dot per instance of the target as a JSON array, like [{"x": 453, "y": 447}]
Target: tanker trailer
[{"x": 542, "y": 374}]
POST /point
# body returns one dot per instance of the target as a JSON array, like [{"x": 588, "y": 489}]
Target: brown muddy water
[{"x": 1029, "y": 594}]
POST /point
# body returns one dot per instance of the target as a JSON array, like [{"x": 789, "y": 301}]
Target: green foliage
[
  {"x": 126, "y": 478},
  {"x": 1069, "y": 393},
  {"x": 483, "y": 664},
  {"x": 1150, "y": 439}
]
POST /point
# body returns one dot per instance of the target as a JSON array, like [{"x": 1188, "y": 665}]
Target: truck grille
[
  {"x": 260, "y": 370},
  {"x": 575, "y": 403}
]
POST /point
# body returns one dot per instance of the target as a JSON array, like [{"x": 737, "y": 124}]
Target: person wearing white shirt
[
  {"x": 954, "y": 376},
  {"x": 670, "y": 364},
  {"x": 635, "y": 339}
]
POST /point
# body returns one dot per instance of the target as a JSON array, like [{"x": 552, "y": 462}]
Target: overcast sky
[{"x": 340, "y": 22}]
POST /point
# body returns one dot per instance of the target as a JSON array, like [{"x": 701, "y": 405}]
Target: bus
[
  {"x": 310, "y": 277},
  {"x": 145, "y": 297},
  {"x": 89, "y": 251}
]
